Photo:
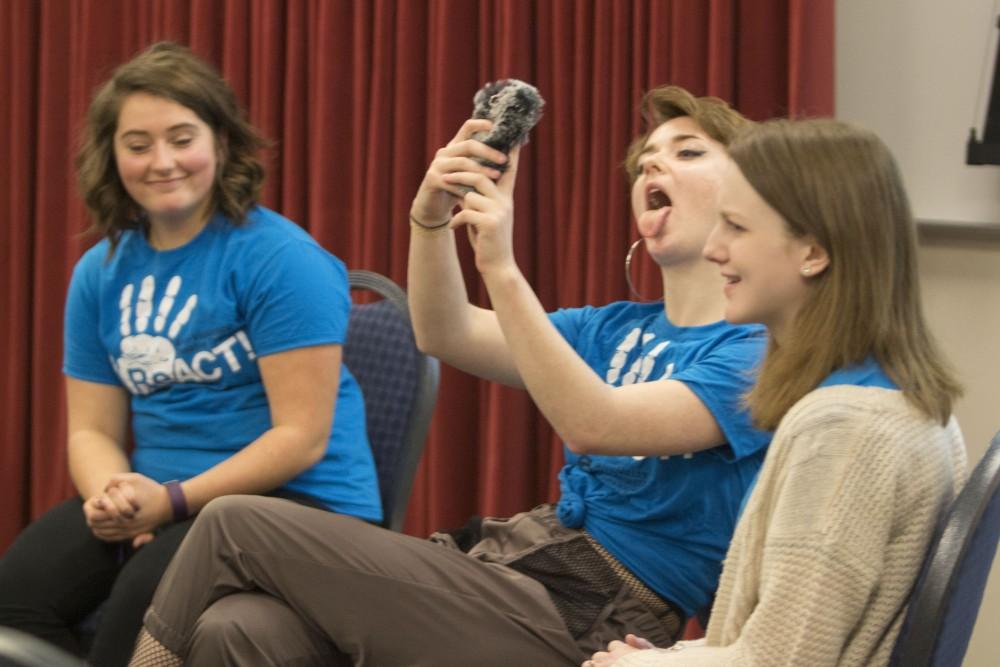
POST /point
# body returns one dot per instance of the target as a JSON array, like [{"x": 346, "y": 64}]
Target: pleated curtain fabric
[{"x": 356, "y": 96}]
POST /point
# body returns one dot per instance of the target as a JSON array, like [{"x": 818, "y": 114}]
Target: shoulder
[
  {"x": 616, "y": 311},
  {"x": 595, "y": 319},
  {"x": 847, "y": 404},
  {"x": 722, "y": 335},
  {"x": 264, "y": 225},
  {"x": 95, "y": 255},
  {"x": 726, "y": 352},
  {"x": 271, "y": 239},
  {"x": 866, "y": 422},
  {"x": 96, "y": 260}
]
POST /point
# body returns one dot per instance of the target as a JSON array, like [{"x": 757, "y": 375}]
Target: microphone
[{"x": 514, "y": 107}]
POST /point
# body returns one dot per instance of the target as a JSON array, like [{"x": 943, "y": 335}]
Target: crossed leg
[{"x": 379, "y": 597}]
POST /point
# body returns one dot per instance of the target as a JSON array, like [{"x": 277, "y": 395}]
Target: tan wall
[
  {"x": 913, "y": 70},
  {"x": 961, "y": 284}
]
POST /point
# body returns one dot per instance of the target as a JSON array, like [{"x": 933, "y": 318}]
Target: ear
[{"x": 815, "y": 258}]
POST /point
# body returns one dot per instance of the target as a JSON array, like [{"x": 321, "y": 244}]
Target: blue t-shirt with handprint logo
[
  {"x": 182, "y": 330},
  {"x": 668, "y": 519}
]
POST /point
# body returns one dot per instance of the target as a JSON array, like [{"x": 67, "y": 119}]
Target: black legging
[{"x": 56, "y": 573}]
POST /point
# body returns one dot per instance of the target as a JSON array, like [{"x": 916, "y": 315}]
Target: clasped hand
[
  {"x": 486, "y": 197},
  {"x": 130, "y": 507},
  {"x": 616, "y": 650}
]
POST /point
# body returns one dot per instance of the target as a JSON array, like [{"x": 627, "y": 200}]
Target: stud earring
[{"x": 806, "y": 270}]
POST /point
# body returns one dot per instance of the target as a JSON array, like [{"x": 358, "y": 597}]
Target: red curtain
[{"x": 357, "y": 96}]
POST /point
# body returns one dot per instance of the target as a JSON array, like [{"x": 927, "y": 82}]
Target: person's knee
[
  {"x": 224, "y": 507},
  {"x": 132, "y": 591},
  {"x": 254, "y": 628},
  {"x": 218, "y": 628},
  {"x": 231, "y": 510},
  {"x": 34, "y": 568},
  {"x": 221, "y": 516},
  {"x": 247, "y": 520}
]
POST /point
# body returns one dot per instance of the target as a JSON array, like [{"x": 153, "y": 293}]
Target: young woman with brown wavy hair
[{"x": 207, "y": 325}]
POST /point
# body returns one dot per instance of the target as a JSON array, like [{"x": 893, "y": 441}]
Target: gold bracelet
[{"x": 429, "y": 227}]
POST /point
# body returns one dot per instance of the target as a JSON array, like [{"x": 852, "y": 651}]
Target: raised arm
[
  {"x": 446, "y": 324},
  {"x": 651, "y": 418}
]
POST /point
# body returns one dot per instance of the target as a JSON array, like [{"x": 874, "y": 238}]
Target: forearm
[
  {"x": 567, "y": 391},
  {"x": 277, "y": 456},
  {"x": 660, "y": 418},
  {"x": 446, "y": 325},
  {"x": 93, "y": 459},
  {"x": 436, "y": 290}
]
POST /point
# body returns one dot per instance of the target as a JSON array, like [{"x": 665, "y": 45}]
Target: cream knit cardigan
[{"x": 833, "y": 536}]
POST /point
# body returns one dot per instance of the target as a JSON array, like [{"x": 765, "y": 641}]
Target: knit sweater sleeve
[{"x": 809, "y": 560}]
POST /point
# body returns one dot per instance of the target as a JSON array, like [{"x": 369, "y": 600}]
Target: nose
[
  {"x": 652, "y": 165},
  {"x": 162, "y": 158},
  {"x": 714, "y": 249}
]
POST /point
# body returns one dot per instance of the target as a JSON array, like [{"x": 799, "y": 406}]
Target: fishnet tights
[{"x": 151, "y": 653}]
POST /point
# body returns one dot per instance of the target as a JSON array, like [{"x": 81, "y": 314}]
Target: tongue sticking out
[{"x": 652, "y": 221}]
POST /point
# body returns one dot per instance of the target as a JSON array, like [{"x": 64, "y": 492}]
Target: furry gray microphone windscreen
[{"x": 514, "y": 107}]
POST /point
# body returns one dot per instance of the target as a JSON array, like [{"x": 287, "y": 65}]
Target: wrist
[
  {"x": 178, "y": 501},
  {"x": 501, "y": 275},
  {"x": 428, "y": 225}
]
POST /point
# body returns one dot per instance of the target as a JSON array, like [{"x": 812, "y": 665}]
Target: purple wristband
[{"x": 178, "y": 503}]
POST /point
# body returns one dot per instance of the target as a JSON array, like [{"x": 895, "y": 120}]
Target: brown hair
[
  {"x": 719, "y": 120},
  {"x": 172, "y": 72},
  {"x": 839, "y": 185}
]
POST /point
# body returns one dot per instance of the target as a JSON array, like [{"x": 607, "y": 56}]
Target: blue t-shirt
[
  {"x": 868, "y": 373},
  {"x": 182, "y": 329},
  {"x": 668, "y": 519}
]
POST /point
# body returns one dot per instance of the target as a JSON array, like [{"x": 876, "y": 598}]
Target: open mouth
[{"x": 656, "y": 199}]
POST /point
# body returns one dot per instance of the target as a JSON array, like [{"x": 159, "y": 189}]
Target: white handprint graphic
[
  {"x": 641, "y": 367},
  {"x": 147, "y": 359}
]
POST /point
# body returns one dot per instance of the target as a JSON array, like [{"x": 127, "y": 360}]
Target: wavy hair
[
  {"x": 839, "y": 185},
  {"x": 172, "y": 72},
  {"x": 719, "y": 120}
]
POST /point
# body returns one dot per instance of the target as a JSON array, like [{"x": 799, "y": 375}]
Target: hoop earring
[{"x": 628, "y": 273}]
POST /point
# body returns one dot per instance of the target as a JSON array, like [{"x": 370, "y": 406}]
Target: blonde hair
[
  {"x": 174, "y": 73},
  {"x": 839, "y": 185},
  {"x": 719, "y": 120}
]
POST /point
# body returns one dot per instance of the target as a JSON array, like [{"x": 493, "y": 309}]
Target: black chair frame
[{"x": 946, "y": 599}]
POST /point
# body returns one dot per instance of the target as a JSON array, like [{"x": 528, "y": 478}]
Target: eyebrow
[{"x": 172, "y": 128}]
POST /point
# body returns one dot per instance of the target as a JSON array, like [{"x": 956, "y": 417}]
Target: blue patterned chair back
[
  {"x": 399, "y": 384},
  {"x": 946, "y": 598}
]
